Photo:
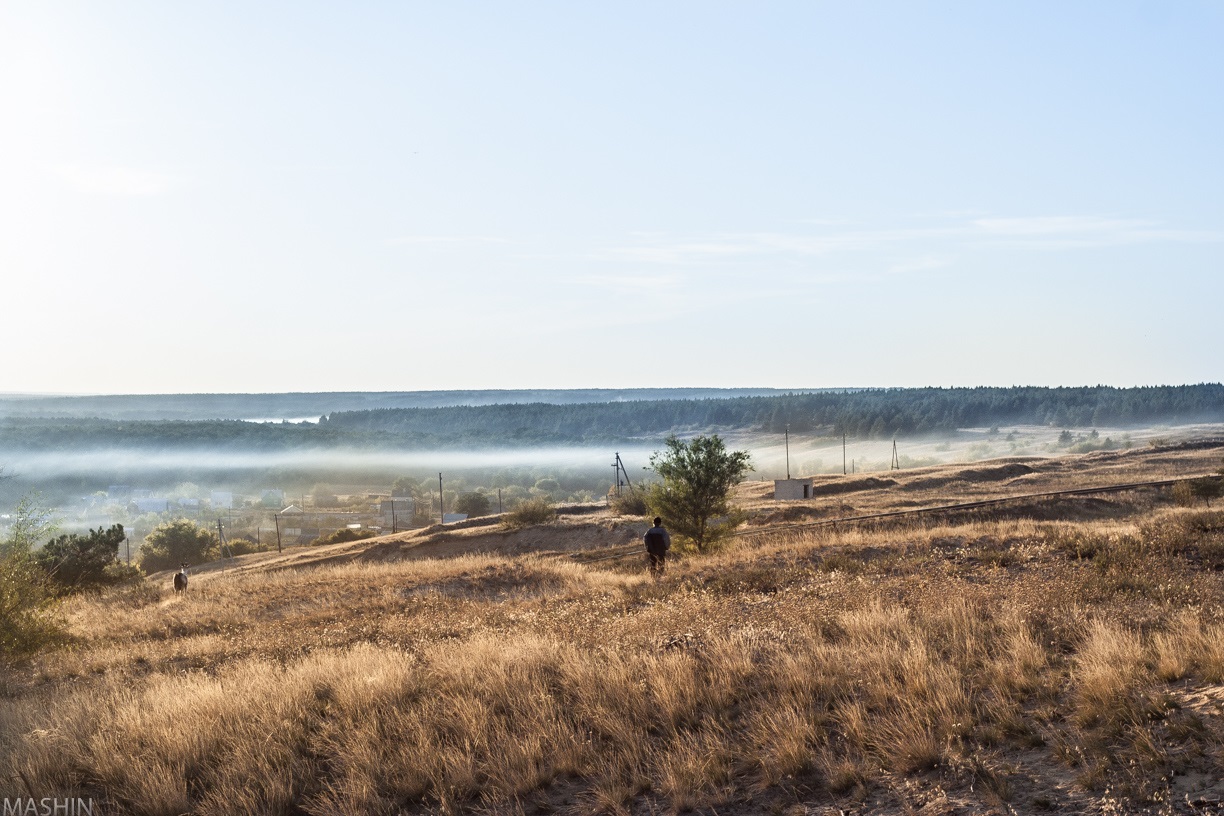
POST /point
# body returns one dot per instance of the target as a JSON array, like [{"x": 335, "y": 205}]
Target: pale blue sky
[{"x": 400, "y": 196}]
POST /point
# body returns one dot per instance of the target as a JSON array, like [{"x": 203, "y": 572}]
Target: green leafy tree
[
  {"x": 406, "y": 486},
  {"x": 81, "y": 561},
  {"x": 176, "y": 542},
  {"x": 472, "y": 503},
  {"x": 697, "y": 479}
]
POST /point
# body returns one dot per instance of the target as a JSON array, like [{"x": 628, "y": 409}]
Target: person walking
[{"x": 658, "y": 542}]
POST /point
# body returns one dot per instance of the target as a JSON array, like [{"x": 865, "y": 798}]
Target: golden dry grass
[{"x": 980, "y": 663}]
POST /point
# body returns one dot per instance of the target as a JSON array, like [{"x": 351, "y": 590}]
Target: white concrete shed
[{"x": 792, "y": 489}]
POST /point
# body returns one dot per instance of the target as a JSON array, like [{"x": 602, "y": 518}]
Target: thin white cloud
[
  {"x": 1071, "y": 231},
  {"x": 631, "y": 284},
  {"x": 915, "y": 265},
  {"x": 1034, "y": 232},
  {"x": 114, "y": 180},
  {"x": 426, "y": 240},
  {"x": 1057, "y": 225}
]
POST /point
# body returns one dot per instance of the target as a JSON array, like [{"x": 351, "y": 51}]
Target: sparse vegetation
[
  {"x": 857, "y": 668},
  {"x": 344, "y": 534},
  {"x": 1208, "y": 488},
  {"x": 27, "y": 607},
  {"x": 539, "y": 510},
  {"x": 631, "y": 502}
]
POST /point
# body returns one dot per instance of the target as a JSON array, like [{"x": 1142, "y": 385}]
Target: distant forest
[
  {"x": 880, "y": 413},
  {"x": 311, "y": 405}
]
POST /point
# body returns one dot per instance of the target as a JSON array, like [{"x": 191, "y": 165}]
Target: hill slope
[{"x": 966, "y": 664}]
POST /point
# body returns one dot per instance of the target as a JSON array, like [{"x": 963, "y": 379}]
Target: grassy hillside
[{"x": 1039, "y": 657}]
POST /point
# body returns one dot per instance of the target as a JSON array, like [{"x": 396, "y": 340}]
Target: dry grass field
[{"x": 1036, "y": 657}]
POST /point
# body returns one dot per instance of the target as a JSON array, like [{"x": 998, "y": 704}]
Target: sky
[{"x": 265, "y": 197}]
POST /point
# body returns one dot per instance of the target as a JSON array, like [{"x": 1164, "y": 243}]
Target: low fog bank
[
  {"x": 107, "y": 463},
  {"x": 82, "y": 479},
  {"x": 67, "y": 476}
]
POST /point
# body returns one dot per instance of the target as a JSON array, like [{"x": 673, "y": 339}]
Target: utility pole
[
  {"x": 621, "y": 469},
  {"x": 499, "y": 504},
  {"x": 394, "y": 521},
  {"x": 441, "y": 509},
  {"x": 276, "y": 518},
  {"x": 843, "y": 454},
  {"x": 896, "y": 460},
  {"x": 788, "y": 453},
  {"x": 128, "y": 543},
  {"x": 221, "y": 537}
]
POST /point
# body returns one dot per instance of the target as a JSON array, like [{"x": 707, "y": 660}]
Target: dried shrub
[
  {"x": 630, "y": 503},
  {"x": 530, "y": 513}
]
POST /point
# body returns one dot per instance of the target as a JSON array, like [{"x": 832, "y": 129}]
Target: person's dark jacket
[{"x": 658, "y": 541}]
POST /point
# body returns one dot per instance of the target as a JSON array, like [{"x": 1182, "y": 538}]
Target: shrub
[
  {"x": 472, "y": 503},
  {"x": 27, "y": 621},
  {"x": 81, "y": 561},
  {"x": 1207, "y": 488},
  {"x": 630, "y": 503},
  {"x": 528, "y": 513},
  {"x": 1183, "y": 494},
  {"x": 345, "y": 534},
  {"x": 176, "y": 542},
  {"x": 243, "y": 546}
]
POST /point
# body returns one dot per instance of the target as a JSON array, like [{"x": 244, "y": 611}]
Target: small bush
[
  {"x": 630, "y": 503},
  {"x": 27, "y": 621},
  {"x": 529, "y": 513},
  {"x": 1183, "y": 494},
  {"x": 345, "y": 534}
]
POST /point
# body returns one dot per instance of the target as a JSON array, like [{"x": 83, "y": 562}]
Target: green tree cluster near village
[
  {"x": 694, "y": 496},
  {"x": 177, "y": 542},
  {"x": 474, "y": 503}
]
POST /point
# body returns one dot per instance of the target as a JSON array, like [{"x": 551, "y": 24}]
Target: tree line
[
  {"x": 870, "y": 413},
  {"x": 878, "y": 413}
]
